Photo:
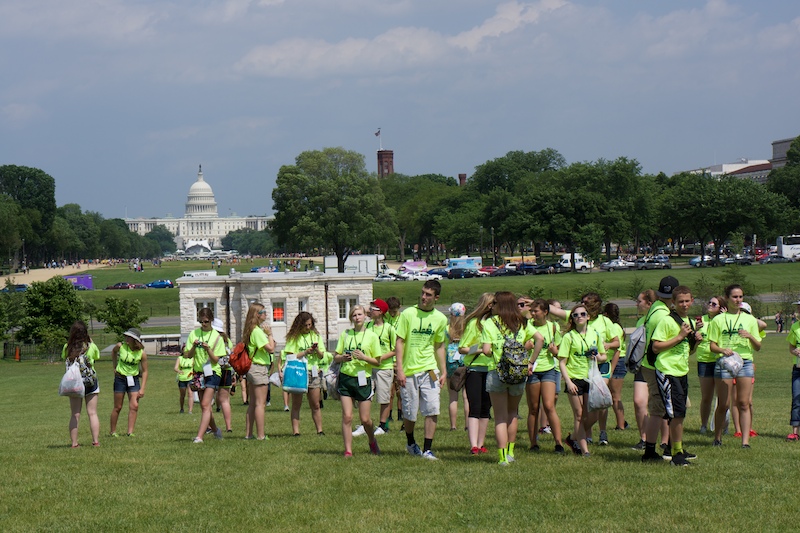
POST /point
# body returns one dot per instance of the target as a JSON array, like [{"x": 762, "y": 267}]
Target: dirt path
[{"x": 43, "y": 274}]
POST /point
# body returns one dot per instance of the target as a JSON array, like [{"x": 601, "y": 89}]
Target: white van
[{"x": 580, "y": 264}]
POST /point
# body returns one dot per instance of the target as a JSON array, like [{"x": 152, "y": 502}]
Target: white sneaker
[
  {"x": 285, "y": 407},
  {"x": 429, "y": 456},
  {"x": 268, "y": 404},
  {"x": 703, "y": 430},
  {"x": 359, "y": 431},
  {"x": 197, "y": 440},
  {"x": 379, "y": 431},
  {"x": 413, "y": 449}
]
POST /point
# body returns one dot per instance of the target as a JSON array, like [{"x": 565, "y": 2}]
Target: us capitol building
[{"x": 201, "y": 229}]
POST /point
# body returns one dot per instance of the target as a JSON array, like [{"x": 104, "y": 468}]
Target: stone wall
[{"x": 281, "y": 293}]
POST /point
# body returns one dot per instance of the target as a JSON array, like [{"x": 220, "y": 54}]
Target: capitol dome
[{"x": 201, "y": 202}]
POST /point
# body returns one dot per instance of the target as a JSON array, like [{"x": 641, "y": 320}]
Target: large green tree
[
  {"x": 162, "y": 236},
  {"x": 35, "y": 192},
  {"x": 327, "y": 199},
  {"x": 50, "y": 308}
]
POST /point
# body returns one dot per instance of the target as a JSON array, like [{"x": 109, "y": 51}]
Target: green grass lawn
[{"x": 159, "y": 481}]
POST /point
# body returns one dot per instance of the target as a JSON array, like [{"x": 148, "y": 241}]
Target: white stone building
[
  {"x": 201, "y": 229},
  {"x": 327, "y": 296}
]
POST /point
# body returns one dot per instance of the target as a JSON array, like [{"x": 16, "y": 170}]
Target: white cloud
[
  {"x": 781, "y": 37},
  {"x": 397, "y": 48},
  {"x": 508, "y": 18}
]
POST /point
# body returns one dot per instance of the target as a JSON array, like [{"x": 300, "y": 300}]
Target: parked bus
[
  {"x": 789, "y": 246},
  {"x": 465, "y": 262}
]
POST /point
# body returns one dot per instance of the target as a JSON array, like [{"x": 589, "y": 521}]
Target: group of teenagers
[{"x": 413, "y": 351}]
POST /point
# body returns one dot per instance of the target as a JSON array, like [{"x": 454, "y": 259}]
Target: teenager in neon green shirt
[
  {"x": 358, "y": 351},
  {"x": 480, "y": 405},
  {"x": 78, "y": 346},
  {"x": 579, "y": 345},
  {"x": 421, "y": 333},
  {"x": 304, "y": 342},
  {"x": 673, "y": 343},
  {"x": 734, "y": 331},
  {"x": 260, "y": 345},
  {"x": 183, "y": 369},
  {"x": 130, "y": 376},
  {"x": 383, "y": 375},
  {"x": 205, "y": 346}
]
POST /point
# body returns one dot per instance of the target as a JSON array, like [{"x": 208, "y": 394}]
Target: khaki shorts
[
  {"x": 314, "y": 382},
  {"x": 258, "y": 374},
  {"x": 655, "y": 403},
  {"x": 382, "y": 381},
  {"x": 421, "y": 393}
]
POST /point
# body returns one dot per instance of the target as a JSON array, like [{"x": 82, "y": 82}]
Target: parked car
[
  {"x": 438, "y": 271},
  {"x": 738, "y": 259},
  {"x": 138, "y": 286},
  {"x": 16, "y": 288},
  {"x": 649, "y": 264},
  {"x": 664, "y": 260},
  {"x": 702, "y": 260},
  {"x": 120, "y": 285},
  {"x": 160, "y": 284},
  {"x": 503, "y": 271},
  {"x": 616, "y": 264},
  {"x": 775, "y": 258},
  {"x": 384, "y": 277},
  {"x": 424, "y": 276},
  {"x": 460, "y": 273},
  {"x": 488, "y": 269}
]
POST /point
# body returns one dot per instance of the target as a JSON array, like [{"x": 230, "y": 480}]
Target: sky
[{"x": 121, "y": 100}]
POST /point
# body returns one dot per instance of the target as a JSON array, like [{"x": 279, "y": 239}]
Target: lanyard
[
  {"x": 731, "y": 330},
  {"x": 355, "y": 337}
]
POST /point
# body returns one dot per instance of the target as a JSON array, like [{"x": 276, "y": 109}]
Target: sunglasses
[
  {"x": 580, "y": 314},
  {"x": 262, "y": 312},
  {"x": 522, "y": 304},
  {"x": 712, "y": 304},
  {"x": 205, "y": 321}
]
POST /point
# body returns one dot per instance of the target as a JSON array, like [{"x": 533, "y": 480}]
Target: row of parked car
[
  {"x": 157, "y": 284},
  {"x": 657, "y": 262}
]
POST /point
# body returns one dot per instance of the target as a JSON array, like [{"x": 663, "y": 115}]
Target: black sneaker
[
  {"x": 651, "y": 458},
  {"x": 688, "y": 455},
  {"x": 679, "y": 459},
  {"x": 745, "y": 446},
  {"x": 666, "y": 450},
  {"x": 559, "y": 449},
  {"x": 639, "y": 447},
  {"x": 716, "y": 443}
]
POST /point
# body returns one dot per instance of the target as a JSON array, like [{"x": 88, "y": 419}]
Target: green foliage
[
  {"x": 636, "y": 286},
  {"x": 328, "y": 200},
  {"x": 161, "y": 236},
  {"x": 250, "y": 241},
  {"x": 735, "y": 274},
  {"x": 121, "y": 314},
  {"x": 34, "y": 192},
  {"x": 50, "y": 308},
  {"x": 703, "y": 289},
  {"x": 536, "y": 292}
]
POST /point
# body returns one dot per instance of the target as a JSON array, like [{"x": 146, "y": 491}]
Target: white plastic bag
[
  {"x": 599, "y": 395},
  {"x": 733, "y": 363},
  {"x": 331, "y": 379},
  {"x": 72, "y": 382}
]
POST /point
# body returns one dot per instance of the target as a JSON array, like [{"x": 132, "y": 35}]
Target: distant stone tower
[{"x": 385, "y": 163}]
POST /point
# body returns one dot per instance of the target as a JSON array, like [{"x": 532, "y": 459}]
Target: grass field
[{"x": 159, "y": 481}]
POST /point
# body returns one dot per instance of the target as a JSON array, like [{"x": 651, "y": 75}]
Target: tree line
[
  {"x": 35, "y": 231},
  {"x": 525, "y": 199}
]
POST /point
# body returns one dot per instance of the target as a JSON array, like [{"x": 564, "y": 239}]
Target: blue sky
[{"x": 120, "y": 101}]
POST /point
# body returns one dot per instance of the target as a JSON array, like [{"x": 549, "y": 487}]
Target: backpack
[
  {"x": 240, "y": 360},
  {"x": 512, "y": 368},
  {"x": 88, "y": 374},
  {"x": 638, "y": 348}
]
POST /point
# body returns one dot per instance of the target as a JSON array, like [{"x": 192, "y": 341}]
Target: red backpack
[{"x": 240, "y": 359}]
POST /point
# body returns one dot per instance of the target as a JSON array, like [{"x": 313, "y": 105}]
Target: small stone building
[{"x": 327, "y": 296}]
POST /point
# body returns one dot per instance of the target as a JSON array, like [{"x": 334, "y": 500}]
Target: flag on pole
[{"x": 378, "y": 133}]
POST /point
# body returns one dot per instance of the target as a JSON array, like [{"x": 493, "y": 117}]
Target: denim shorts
[
  {"x": 549, "y": 376},
  {"x": 620, "y": 371},
  {"x": 121, "y": 384},
  {"x": 213, "y": 381},
  {"x": 747, "y": 371},
  {"x": 183, "y": 384},
  {"x": 226, "y": 380},
  {"x": 494, "y": 385},
  {"x": 705, "y": 370}
]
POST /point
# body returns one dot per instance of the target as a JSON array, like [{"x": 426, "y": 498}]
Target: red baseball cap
[{"x": 380, "y": 304}]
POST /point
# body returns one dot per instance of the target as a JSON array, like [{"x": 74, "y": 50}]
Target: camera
[
  {"x": 198, "y": 343},
  {"x": 592, "y": 352}
]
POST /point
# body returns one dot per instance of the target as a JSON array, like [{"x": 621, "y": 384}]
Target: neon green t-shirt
[
  {"x": 574, "y": 346},
  {"x": 724, "y": 330},
  {"x": 470, "y": 338},
  {"x": 551, "y": 334},
  {"x": 675, "y": 361},
  {"x": 388, "y": 339},
  {"x": 794, "y": 337},
  {"x": 703, "y": 351},
  {"x": 604, "y": 326},
  {"x": 366, "y": 341},
  {"x": 91, "y": 353},
  {"x": 494, "y": 333},
  {"x": 421, "y": 331},
  {"x": 256, "y": 348},
  {"x": 184, "y": 368},
  {"x": 128, "y": 361},
  {"x": 302, "y": 343},
  {"x": 214, "y": 341}
]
